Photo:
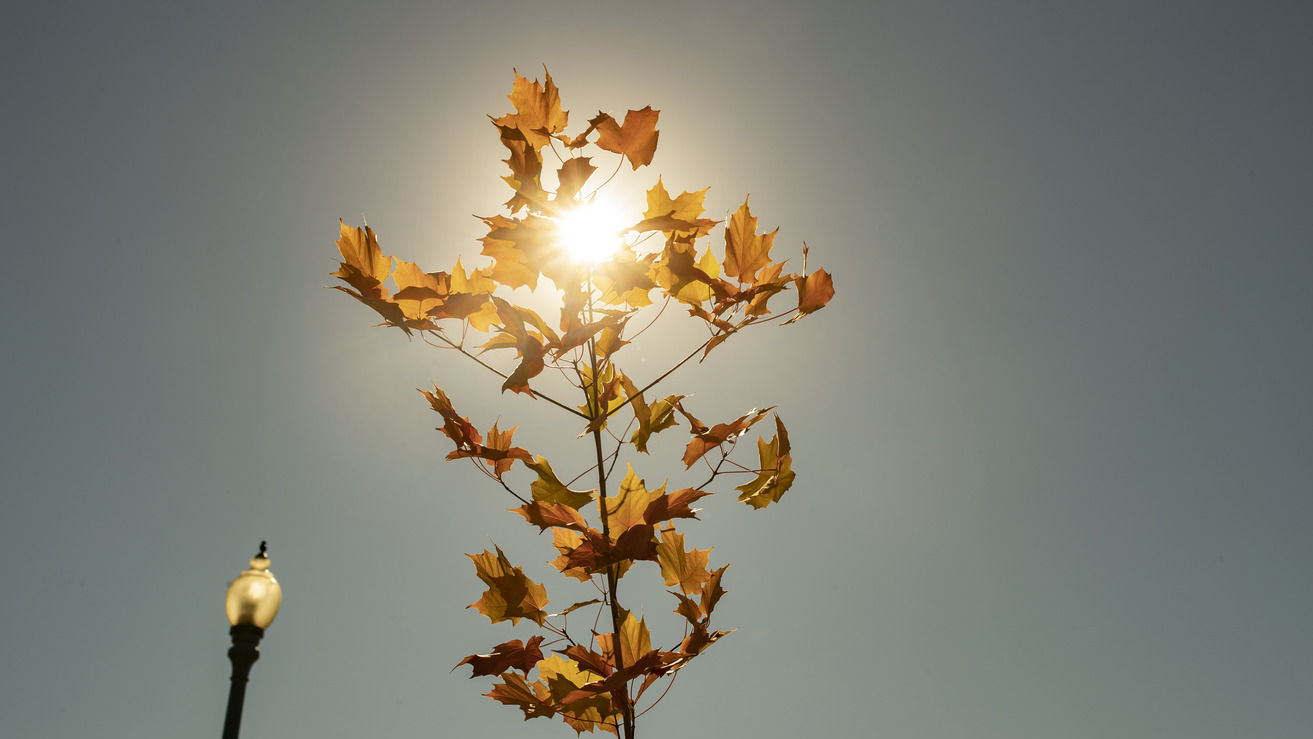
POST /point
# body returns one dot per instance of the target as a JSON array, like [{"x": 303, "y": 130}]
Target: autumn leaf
[
  {"x": 365, "y": 269},
  {"x": 746, "y": 251},
  {"x": 512, "y": 654},
  {"x": 534, "y": 699},
  {"x": 546, "y": 515},
  {"x": 634, "y": 642},
  {"x": 636, "y": 138},
  {"x": 548, "y": 488},
  {"x": 679, "y": 215},
  {"x": 628, "y": 507},
  {"x": 673, "y": 505},
  {"x": 708, "y": 439},
  {"x": 510, "y": 595},
  {"x": 775, "y": 474},
  {"x": 538, "y": 112},
  {"x": 814, "y": 290},
  {"x": 652, "y": 418},
  {"x": 571, "y": 177},
  {"x": 688, "y": 570}
]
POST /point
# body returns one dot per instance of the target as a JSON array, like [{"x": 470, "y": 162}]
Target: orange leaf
[
  {"x": 636, "y": 139},
  {"x": 512, "y": 654},
  {"x": 538, "y": 112}
]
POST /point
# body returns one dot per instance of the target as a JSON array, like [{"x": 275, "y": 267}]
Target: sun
[{"x": 592, "y": 231}]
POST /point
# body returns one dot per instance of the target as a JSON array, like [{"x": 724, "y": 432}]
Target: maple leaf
[
  {"x": 636, "y": 138},
  {"x": 564, "y": 679},
  {"x": 705, "y": 440},
  {"x": 746, "y": 251},
  {"x": 635, "y": 641},
  {"x": 548, "y": 488},
  {"x": 526, "y": 170},
  {"x": 510, "y": 595},
  {"x": 680, "y": 215},
  {"x": 688, "y": 569},
  {"x": 534, "y": 699},
  {"x": 628, "y": 507},
  {"x": 814, "y": 290},
  {"x": 775, "y": 475},
  {"x": 546, "y": 515},
  {"x": 673, "y": 505},
  {"x": 504, "y": 656},
  {"x": 538, "y": 112},
  {"x": 651, "y": 419},
  {"x": 571, "y": 177},
  {"x": 496, "y": 453},
  {"x": 365, "y": 269}
]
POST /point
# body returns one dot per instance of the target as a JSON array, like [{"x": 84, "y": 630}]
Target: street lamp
[{"x": 252, "y": 603}]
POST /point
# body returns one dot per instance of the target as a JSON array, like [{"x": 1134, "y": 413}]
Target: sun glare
[{"x": 592, "y": 232}]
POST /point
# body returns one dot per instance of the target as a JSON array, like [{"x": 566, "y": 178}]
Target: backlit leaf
[
  {"x": 687, "y": 570},
  {"x": 510, "y": 595},
  {"x": 636, "y": 138}
]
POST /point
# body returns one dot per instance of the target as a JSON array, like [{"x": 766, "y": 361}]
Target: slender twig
[{"x": 504, "y": 376}]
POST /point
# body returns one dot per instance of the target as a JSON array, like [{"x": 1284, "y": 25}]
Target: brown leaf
[
  {"x": 571, "y": 177},
  {"x": 713, "y": 437},
  {"x": 546, "y": 515},
  {"x": 510, "y": 595},
  {"x": 507, "y": 655},
  {"x": 532, "y": 698},
  {"x": 636, "y": 138},
  {"x": 673, "y": 505}
]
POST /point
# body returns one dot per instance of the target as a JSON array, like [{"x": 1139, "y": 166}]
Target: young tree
[{"x": 607, "y": 276}]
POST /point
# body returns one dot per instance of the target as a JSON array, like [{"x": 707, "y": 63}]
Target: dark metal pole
[{"x": 244, "y": 652}]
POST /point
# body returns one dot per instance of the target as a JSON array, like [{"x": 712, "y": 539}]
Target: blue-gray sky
[{"x": 1054, "y": 435}]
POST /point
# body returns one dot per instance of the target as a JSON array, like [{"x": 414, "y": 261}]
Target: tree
[{"x": 598, "y": 679}]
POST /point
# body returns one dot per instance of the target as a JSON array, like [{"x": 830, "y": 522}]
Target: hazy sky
[{"x": 1054, "y": 435}]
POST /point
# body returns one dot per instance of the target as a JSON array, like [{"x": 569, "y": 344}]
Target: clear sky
[{"x": 1054, "y": 435}]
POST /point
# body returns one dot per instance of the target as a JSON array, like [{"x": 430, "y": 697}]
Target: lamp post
[{"x": 252, "y": 603}]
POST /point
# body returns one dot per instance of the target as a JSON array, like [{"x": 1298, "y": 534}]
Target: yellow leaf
[{"x": 688, "y": 569}]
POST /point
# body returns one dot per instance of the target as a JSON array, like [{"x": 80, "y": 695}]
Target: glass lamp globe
[{"x": 254, "y": 597}]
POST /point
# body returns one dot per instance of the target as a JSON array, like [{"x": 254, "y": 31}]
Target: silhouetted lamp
[{"x": 252, "y": 604}]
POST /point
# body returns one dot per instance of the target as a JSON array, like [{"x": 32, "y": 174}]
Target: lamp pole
[{"x": 251, "y": 604}]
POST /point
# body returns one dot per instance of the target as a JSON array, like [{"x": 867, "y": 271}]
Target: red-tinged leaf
[
  {"x": 566, "y": 542},
  {"x": 507, "y": 655},
  {"x": 636, "y": 138},
  {"x": 510, "y": 595},
  {"x": 637, "y": 543},
  {"x": 673, "y": 505},
  {"x": 687, "y": 570},
  {"x": 697, "y": 642},
  {"x": 546, "y": 515},
  {"x": 497, "y": 452},
  {"x": 746, "y": 251},
  {"x": 719, "y": 434},
  {"x": 571, "y": 177},
  {"x": 814, "y": 292},
  {"x": 532, "y": 698},
  {"x": 456, "y": 427},
  {"x": 589, "y": 659},
  {"x": 582, "y": 711}
]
